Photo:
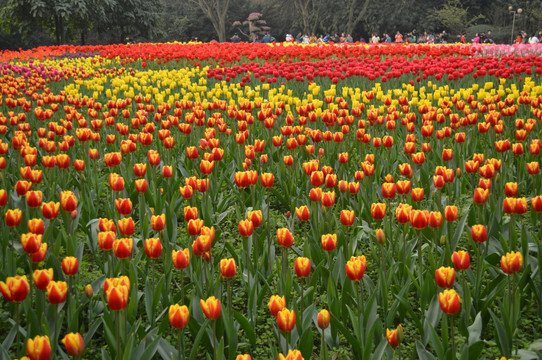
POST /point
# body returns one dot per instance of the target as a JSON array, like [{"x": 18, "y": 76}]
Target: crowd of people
[{"x": 410, "y": 37}]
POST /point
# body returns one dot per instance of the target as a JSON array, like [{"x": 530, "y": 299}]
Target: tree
[
  {"x": 257, "y": 26},
  {"x": 217, "y": 12},
  {"x": 454, "y": 17},
  {"x": 353, "y": 20}
]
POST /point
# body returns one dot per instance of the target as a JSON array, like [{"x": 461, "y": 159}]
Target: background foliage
[{"x": 111, "y": 21}]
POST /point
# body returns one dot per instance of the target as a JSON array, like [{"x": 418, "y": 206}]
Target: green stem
[
  {"x": 268, "y": 235},
  {"x": 301, "y": 281},
  {"x": 324, "y": 346},
  {"x": 17, "y": 322},
  {"x": 284, "y": 269},
  {"x": 180, "y": 345},
  {"x": 420, "y": 260},
  {"x": 511, "y": 231},
  {"x": 230, "y": 292},
  {"x": 452, "y": 336},
  {"x": 117, "y": 328}
]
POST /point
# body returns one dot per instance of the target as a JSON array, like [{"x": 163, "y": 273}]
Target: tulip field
[{"x": 271, "y": 201}]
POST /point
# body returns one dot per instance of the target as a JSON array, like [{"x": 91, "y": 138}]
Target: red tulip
[
  {"x": 211, "y": 308},
  {"x": 449, "y": 301},
  {"x": 461, "y": 260},
  {"x": 15, "y": 289},
  {"x": 178, "y": 316},
  {"x": 445, "y": 277}
]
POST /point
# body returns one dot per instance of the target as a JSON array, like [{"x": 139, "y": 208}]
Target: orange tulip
[
  {"x": 38, "y": 348},
  {"x": 74, "y": 343},
  {"x": 445, "y": 277},
  {"x": 123, "y": 247},
  {"x": 243, "y": 357},
  {"x": 378, "y": 210},
  {"x": 417, "y": 194},
  {"x": 403, "y": 186},
  {"x": 329, "y": 242},
  {"x": 50, "y": 210},
  {"x": 533, "y": 167},
  {"x": 256, "y": 217},
  {"x": 116, "y": 182},
  {"x": 302, "y": 267},
  {"x": 536, "y": 203},
  {"x": 435, "y": 219},
  {"x": 328, "y": 198},
  {"x": 292, "y": 355},
  {"x": 267, "y": 179},
  {"x": 70, "y": 265},
  {"x": 276, "y": 303},
  {"x": 30, "y": 242},
  {"x": 194, "y": 226},
  {"x": 117, "y": 295},
  {"x": 511, "y": 189},
  {"x": 211, "y": 308},
  {"x": 190, "y": 213},
  {"x": 509, "y": 205},
  {"x": 124, "y": 206},
  {"x": 141, "y": 185},
  {"x": 449, "y": 301},
  {"x": 228, "y": 268},
  {"x": 315, "y": 194},
  {"x": 303, "y": 213},
  {"x": 395, "y": 337},
  {"x": 355, "y": 267},
  {"x": 15, "y": 289},
  {"x": 57, "y": 292},
  {"x": 36, "y": 226},
  {"x": 140, "y": 170},
  {"x": 153, "y": 248},
  {"x": 402, "y": 213},
  {"x": 181, "y": 258},
  {"x": 388, "y": 190},
  {"x": 419, "y": 219},
  {"x": 521, "y": 206},
  {"x": 178, "y": 316},
  {"x": 39, "y": 255},
  {"x": 158, "y": 222},
  {"x": 42, "y": 278},
  {"x": 68, "y": 201},
  {"x": 126, "y": 226},
  {"x": 34, "y": 198},
  {"x": 481, "y": 195},
  {"x": 285, "y": 237},
  {"x": 286, "y": 320},
  {"x": 461, "y": 260},
  {"x": 347, "y": 217},
  {"x": 246, "y": 228},
  {"x": 13, "y": 217},
  {"x": 451, "y": 213},
  {"x": 511, "y": 262},
  {"x": 478, "y": 233},
  {"x": 323, "y": 319}
]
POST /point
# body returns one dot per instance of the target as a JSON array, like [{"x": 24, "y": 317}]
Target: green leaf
[
  {"x": 245, "y": 325},
  {"x": 90, "y": 333},
  {"x": 475, "y": 330},
  {"x": 356, "y": 347},
  {"x": 150, "y": 349},
  {"x": 306, "y": 343},
  {"x": 502, "y": 337},
  {"x": 422, "y": 353},
  {"x": 198, "y": 339}
]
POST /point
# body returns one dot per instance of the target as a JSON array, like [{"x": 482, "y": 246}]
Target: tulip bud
[
  {"x": 74, "y": 343},
  {"x": 323, "y": 319},
  {"x": 89, "y": 292},
  {"x": 380, "y": 236}
]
